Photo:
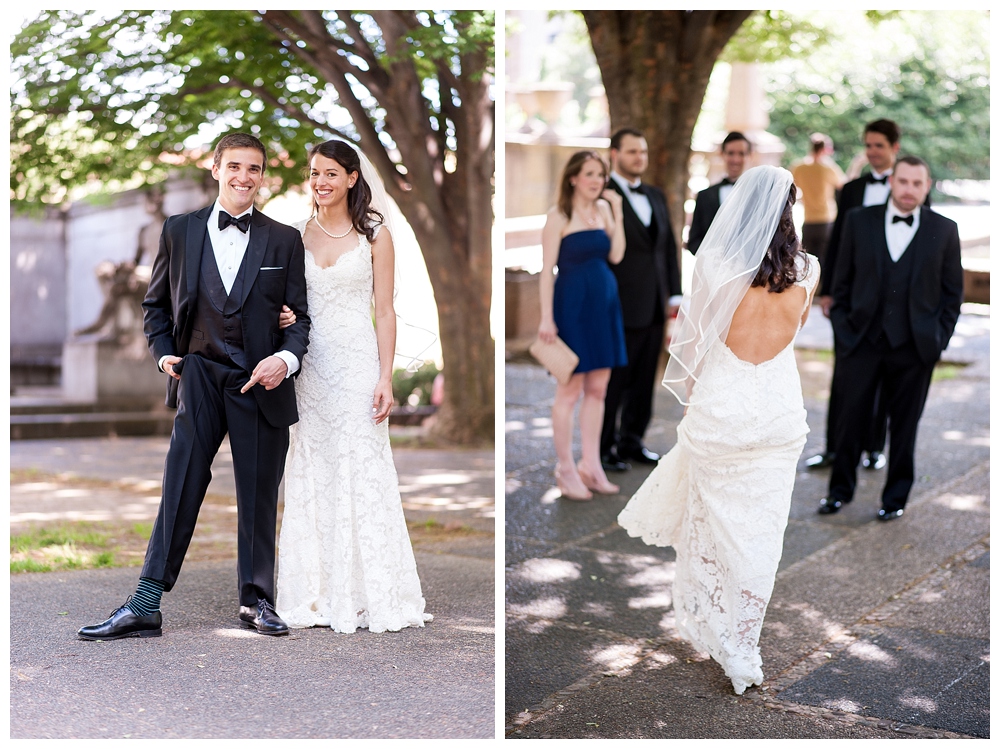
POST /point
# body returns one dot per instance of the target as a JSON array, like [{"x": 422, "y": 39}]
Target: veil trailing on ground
[
  {"x": 392, "y": 219},
  {"x": 725, "y": 266}
]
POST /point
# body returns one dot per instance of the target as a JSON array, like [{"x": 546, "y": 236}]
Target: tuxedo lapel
[
  {"x": 259, "y": 232},
  {"x": 194, "y": 241},
  {"x": 881, "y": 247}
]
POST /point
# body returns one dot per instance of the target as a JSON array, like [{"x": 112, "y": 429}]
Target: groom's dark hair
[
  {"x": 733, "y": 136},
  {"x": 616, "y": 139},
  {"x": 888, "y": 128},
  {"x": 239, "y": 140}
]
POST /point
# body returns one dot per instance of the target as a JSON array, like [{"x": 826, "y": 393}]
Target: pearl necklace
[{"x": 332, "y": 236}]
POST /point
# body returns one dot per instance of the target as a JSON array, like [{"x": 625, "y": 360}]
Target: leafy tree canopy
[
  {"x": 109, "y": 101},
  {"x": 927, "y": 71}
]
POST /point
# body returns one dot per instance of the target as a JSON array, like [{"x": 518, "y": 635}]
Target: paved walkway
[
  {"x": 208, "y": 677},
  {"x": 874, "y": 630}
]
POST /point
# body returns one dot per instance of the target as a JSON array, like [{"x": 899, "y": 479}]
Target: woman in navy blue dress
[{"x": 582, "y": 234}]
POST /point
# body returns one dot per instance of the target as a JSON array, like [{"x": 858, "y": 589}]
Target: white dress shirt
[
  {"x": 897, "y": 234},
  {"x": 639, "y": 202},
  {"x": 724, "y": 192},
  {"x": 644, "y": 210},
  {"x": 876, "y": 194},
  {"x": 230, "y": 245}
]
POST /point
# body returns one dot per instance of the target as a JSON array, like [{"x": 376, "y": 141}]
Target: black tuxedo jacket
[
  {"x": 274, "y": 275},
  {"x": 935, "y": 293},
  {"x": 649, "y": 270},
  {"x": 852, "y": 195},
  {"x": 705, "y": 208}
]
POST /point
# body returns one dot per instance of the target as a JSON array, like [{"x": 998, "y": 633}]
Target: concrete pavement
[
  {"x": 208, "y": 677},
  {"x": 874, "y": 630}
]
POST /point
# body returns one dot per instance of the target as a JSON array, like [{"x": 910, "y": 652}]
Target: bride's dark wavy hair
[
  {"x": 359, "y": 198},
  {"x": 778, "y": 269}
]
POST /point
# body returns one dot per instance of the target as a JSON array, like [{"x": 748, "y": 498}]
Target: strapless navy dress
[{"x": 585, "y": 304}]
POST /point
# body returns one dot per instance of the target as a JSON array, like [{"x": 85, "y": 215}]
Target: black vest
[
  {"x": 895, "y": 303},
  {"x": 217, "y": 332}
]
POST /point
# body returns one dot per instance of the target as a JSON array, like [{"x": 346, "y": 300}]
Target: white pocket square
[{"x": 277, "y": 267}]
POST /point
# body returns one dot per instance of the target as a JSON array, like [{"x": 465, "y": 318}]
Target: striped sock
[{"x": 147, "y": 596}]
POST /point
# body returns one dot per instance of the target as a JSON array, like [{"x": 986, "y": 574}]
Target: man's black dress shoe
[
  {"x": 123, "y": 623},
  {"x": 828, "y": 506},
  {"x": 263, "y": 618},
  {"x": 640, "y": 455},
  {"x": 820, "y": 460},
  {"x": 887, "y": 515},
  {"x": 874, "y": 461},
  {"x": 612, "y": 462}
]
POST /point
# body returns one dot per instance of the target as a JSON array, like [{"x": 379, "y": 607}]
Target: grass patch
[
  {"x": 944, "y": 372},
  {"x": 77, "y": 546}
]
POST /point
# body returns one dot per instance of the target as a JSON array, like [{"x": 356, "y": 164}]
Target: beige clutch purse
[{"x": 556, "y": 357}]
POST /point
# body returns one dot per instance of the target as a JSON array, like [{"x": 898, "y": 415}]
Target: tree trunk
[{"x": 655, "y": 65}]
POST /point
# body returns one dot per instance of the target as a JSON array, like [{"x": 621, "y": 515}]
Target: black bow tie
[
  {"x": 637, "y": 189},
  {"x": 908, "y": 220},
  {"x": 727, "y": 181},
  {"x": 872, "y": 180},
  {"x": 242, "y": 223}
]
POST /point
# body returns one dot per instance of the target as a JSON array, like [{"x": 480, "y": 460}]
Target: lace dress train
[
  {"x": 344, "y": 554},
  {"x": 721, "y": 498}
]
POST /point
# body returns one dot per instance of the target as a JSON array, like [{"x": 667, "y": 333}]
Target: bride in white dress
[
  {"x": 344, "y": 554},
  {"x": 721, "y": 497}
]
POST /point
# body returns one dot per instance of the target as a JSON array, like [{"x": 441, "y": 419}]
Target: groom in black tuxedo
[
  {"x": 897, "y": 294},
  {"x": 649, "y": 287},
  {"x": 881, "y": 141},
  {"x": 218, "y": 284},
  {"x": 735, "y": 152}
]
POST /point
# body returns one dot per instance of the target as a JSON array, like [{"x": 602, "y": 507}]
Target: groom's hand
[{"x": 269, "y": 373}]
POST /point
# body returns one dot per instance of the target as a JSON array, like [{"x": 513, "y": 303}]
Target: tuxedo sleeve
[
  {"x": 296, "y": 339},
  {"x": 952, "y": 290},
  {"x": 843, "y": 280},
  {"x": 832, "y": 247},
  {"x": 157, "y": 306},
  {"x": 699, "y": 223}
]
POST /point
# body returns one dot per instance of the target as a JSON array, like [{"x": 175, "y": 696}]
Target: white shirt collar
[
  {"x": 880, "y": 175},
  {"x": 622, "y": 182},
  {"x": 892, "y": 210},
  {"x": 218, "y": 207}
]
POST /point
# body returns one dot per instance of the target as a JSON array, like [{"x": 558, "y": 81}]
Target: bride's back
[{"x": 766, "y": 322}]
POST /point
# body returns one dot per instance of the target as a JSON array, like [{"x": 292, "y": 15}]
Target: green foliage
[
  {"x": 106, "y": 101},
  {"x": 421, "y": 382},
  {"x": 38, "y": 538},
  {"x": 28, "y": 565},
  {"x": 930, "y": 75},
  {"x": 771, "y": 35}
]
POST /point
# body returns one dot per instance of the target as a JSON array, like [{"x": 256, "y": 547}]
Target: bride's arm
[{"x": 383, "y": 268}]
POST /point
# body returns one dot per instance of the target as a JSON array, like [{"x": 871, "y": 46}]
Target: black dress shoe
[
  {"x": 828, "y": 506},
  {"x": 263, "y": 618},
  {"x": 820, "y": 460},
  {"x": 612, "y": 462},
  {"x": 874, "y": 461},
  {"x": 887, "y": 515},
  {"x": 123, "y": 623},
  {"x": 640, "y": 455}
]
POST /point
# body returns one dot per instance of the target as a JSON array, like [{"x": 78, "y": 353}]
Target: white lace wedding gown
[
  {"x": 344, "y": 554},
  {"x": 721, "y": 498}
]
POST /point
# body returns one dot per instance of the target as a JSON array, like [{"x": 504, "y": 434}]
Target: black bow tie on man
[
  {"x": 637, "y": 189},
  {"x": 908, "y": 220},
  {"x": 873, "y": 180},
  {"x": 242, "y": 223}
]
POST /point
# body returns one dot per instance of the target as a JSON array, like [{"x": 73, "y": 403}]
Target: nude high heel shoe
[
  {"x": 570, "y": 485},
  {"x": 600, "y": 485}
]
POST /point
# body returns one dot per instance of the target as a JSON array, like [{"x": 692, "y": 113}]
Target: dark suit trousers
[
  {"x": 904, "y": 379},
  {"x": 631, "y": 388},
  {"x": 210, "y": 405},
  {"x": 873, "y": 437}
]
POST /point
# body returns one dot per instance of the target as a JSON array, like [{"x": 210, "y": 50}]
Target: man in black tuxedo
[
  {"x": 881, "y": 140},
  {"x": 735, "y": 151},
  {"x": 896, "y": 298},
  {"x": 649, "y": 286},
  {"x": 218, "y": 284}
]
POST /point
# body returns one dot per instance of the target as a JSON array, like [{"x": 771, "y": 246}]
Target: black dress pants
[
  {"x": 631, "y": 389},
  {"x": 210, "y": 404},
  {"x": 904, "y": 380}
]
